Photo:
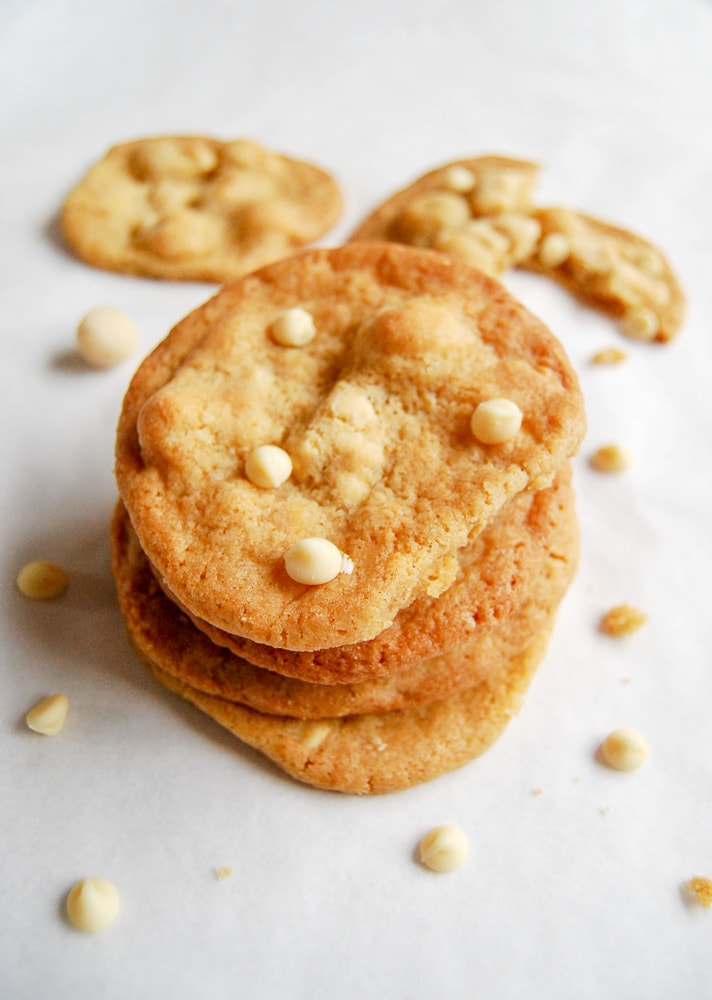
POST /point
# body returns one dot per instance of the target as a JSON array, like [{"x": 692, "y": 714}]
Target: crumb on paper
[
  {"x": 624, "y": 619},
  {"x": 700, "y": 887},
  {"x": 222, "y": 873},
  {"x": 611, "y": 458},
  {"x": 536, "y": 792},
  {"x": 609, "y": 356}
]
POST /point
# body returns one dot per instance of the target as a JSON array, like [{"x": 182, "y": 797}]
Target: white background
[{"x": 572, "y": 893}]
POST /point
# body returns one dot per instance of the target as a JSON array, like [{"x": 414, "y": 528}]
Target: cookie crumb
[
  {"x": 611, "y": 458},
  {"x": 609, "y": 356},
  {"x": 42, "y": 580},
  {"x": 624, "y": 750},
  {"x": 92, "y": 904},
  {"x": 106, "y": 336},
  {"x": 536, "y": 792},
  {"x": 624, "y": 619},
  {"x": 700, "y": 887},
  {"x": 444, "y": 848},
  {"x": 48, "y": 715},
  {"x": 222, "y": 873}
]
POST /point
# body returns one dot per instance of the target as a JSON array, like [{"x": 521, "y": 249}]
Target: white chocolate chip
[
  {"x": 496, "y": 421},
  {"x": 624, "y": 750},
  {"x": 294, "y": 327},
  {"x": 49, "y": 715},
  {"x": 640, "y": 323},
  {"x": 92, "y": 904},
  {"x": 106, "y": 336},
  {"x": 42, "y": 580},
  {"x": 612, "y": 458},
  {"x": 444, "y": 848},
  {"x": 459, "y": 178},
  {"x": 315, "y": 560},
  {"x": 554, "y": 249},
  {"x": 268, "y": 466}
]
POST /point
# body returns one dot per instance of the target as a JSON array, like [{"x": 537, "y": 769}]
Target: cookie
[
  {"x": 195, "y": 208},
  {"x": 475, "y": 210},
  {"x": 610, "y": 268},
  {"x": 374, "y": 411},
  {"x": 164, "y": 637},
  {"x": 494, "y": 571},
  {"x": 385, "y": 752}
]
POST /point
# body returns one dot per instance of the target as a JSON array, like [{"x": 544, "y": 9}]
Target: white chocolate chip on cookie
[
  {"x": 268, "y": 466},
  {"x": 315, "y": 560},
  {"x": 496, "y": 421},
  {"x": 293, "y": 328}
]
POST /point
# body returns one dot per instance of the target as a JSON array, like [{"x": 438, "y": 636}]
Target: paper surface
[{"x": 573, "y": 883}]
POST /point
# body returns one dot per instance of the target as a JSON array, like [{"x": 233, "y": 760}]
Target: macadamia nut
[
  {"x": 624, "y": 750},
  {"x": 49, "y": 715},
  {"x": 42, "y": 580}
]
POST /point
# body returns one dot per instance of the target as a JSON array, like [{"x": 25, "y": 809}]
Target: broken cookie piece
[{"x": 612, "y": 269}]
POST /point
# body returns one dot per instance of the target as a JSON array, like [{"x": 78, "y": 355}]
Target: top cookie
[
  {"x": 375, "y": 414},
  {"x": 474, "y": 210},
  {"x": 195, "y": 208}
]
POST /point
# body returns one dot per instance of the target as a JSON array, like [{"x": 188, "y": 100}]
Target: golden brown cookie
[
  {"x": 163, "y": 636},
  {"x": 610, "y": 268},
  {"x": 195, "y": 208},
  {"x": 375, "y": 415},
  {"x": 475, "y": 210},
  {"x": 494, "y": 572},
  {"x": 383, "y": 752}
]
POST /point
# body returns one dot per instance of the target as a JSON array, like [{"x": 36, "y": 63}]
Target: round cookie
[
  {"x": 164, "y": 637},
  {"x": 612, "y": 269},
  {"x": 494, "y": 571},
  {"x": 196, "y": 208},
  {"x": 374, "y": 412},
  {"x": 476, "y": 210}
]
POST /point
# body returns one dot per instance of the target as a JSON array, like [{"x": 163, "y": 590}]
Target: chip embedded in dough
[
  {"x": 375, "y": 414},
  {"x": 196, "y": 208}
]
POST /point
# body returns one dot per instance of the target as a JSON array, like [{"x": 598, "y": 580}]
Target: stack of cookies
[{"x": 346, "y": 516}]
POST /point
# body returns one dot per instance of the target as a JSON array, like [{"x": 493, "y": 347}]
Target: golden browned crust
[
  {"x": 494, "y": 573},
  {"x": 196, "y": 208},
  {"x": 375, "y": 414},
  {"x": 162, "y": 635}
]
